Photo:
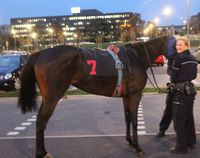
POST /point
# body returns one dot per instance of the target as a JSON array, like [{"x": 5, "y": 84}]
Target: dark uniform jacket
[{"x": 184, "y": 67}]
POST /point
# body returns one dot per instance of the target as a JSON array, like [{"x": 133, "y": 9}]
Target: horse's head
[
  {"x": 148, "y": 51},
  {"x": 164, "y": 45}
]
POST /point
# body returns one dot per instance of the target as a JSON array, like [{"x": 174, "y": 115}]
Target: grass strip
[{"x": 80, "y": 92}]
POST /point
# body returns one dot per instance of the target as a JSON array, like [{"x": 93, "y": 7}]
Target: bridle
[{"x": 156, "y": 87}]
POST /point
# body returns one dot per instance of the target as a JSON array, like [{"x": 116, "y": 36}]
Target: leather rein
[{"x": 155, "y": 84}]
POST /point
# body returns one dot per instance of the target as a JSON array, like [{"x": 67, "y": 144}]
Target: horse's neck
[{"x": 147, "y": 52}]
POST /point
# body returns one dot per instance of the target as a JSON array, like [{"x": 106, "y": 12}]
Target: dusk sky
[{"x": 149, "y": 9}]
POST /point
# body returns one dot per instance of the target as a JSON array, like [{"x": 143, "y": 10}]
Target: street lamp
[
  {"x": 14, "y": 36},
  {"x": 166, "y": 12},
  {"x": 34, "y": 35},
  {"x": 156, "y": 20}
]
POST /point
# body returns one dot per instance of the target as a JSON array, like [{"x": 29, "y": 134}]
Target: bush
[{"x": 195, "y": 43}]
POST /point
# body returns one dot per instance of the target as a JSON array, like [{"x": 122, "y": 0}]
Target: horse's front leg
[
  {"x": 43, "y": 116},
  {"x": 127, "y": 120},
  {"x": 133, "y": 103}
]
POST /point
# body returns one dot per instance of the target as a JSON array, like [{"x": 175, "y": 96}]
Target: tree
[
  {"x": 151, "y": 29},
  {"x": 137, "y": 24},
  {"x": 195, "y": 23},
  {"x": 131, "y": 29},
  {"x": 6, "y": 39},
  {"x": 58, "y": 32},
  {"x": 97, "y": 30}
]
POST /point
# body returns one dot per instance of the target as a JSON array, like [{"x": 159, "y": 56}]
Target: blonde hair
[{"x": 185, "y": 39}]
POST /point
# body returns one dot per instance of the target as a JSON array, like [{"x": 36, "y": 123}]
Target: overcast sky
[{"x": 149, "y": 9}]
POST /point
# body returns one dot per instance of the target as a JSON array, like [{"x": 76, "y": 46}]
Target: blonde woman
[{"x": 184, "y": 70}]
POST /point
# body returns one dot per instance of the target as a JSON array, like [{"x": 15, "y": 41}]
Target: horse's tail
[{"x": 27, "y": 92}]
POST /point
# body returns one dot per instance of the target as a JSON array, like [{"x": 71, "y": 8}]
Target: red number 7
[{"x": 93, "y": 64}]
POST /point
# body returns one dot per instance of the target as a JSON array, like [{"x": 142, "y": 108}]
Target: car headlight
[{"x": 7, "y": 76}]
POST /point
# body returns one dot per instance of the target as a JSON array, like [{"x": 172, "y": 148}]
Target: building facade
[{"x": 47, "y": 27}]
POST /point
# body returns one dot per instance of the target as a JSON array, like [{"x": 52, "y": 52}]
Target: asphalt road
[
  {"x": 162, "y": 78},
  {"x": 89, "y": 127}
]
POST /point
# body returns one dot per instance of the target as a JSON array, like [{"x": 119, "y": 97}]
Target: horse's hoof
[
  {"x": 48, "y": 156},
  {"x": 141, "y": 153},
  {"x": 131, "y": 145}
]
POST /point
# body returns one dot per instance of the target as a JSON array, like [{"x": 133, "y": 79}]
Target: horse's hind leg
[
  {"x": 45, "y": 112},
  {"x": 51, "y": 94},
  {"x": 48, "y": 105}
]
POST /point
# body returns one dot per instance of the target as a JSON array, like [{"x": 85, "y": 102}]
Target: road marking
[
  {"x": 140, "y": 112},
  {"x": 22, "y": 127},
  {"x": 141, "y": 129},
  {"x": 140, "y": 122},
  {"x": 12, "y": 133},
  {"x": 140, "y": 115},
  {"x": 84, "y": 136},
  {"x": 139, "y": 108},
  {"x": 141, "y": 132},
  {"x": 34, "y": 116},
  {"x": 32, "y": 119},
  {"x": 140, "y": 118},
  {"x": 26, "y": 123}
]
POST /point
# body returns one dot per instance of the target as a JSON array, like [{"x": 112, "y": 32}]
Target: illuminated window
[
  {"x": 90, "y": 17},
  {"x": 80, "y": 23},
  {"x": 19, "y": 21}
]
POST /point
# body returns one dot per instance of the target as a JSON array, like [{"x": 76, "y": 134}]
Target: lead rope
[{"x": 156, "y": 87}]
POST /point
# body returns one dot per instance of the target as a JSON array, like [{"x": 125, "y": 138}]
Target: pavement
[{"x": 95, "y": 147}]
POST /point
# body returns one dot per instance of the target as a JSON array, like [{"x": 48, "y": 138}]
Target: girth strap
[{"x": 119, "y": 66}]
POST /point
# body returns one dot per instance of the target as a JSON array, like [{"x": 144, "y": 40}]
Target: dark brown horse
[{"x": 56, "y": 68}]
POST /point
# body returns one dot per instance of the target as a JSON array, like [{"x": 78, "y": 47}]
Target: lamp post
[
  {"x": 146, "y": 31},
  {"x": 65, "y": 35},
  {"x": 166, "y": 12},
  {"x": 14, "y": 36},
  {"x": 188, "y": 14},
  {"x": 34, "y": 36},
  {"x": 75, "y": 38},
  {"x": 29, "y": 30},
  {"x": 150, "y": 29},
  {"x": 51, "y": 33},
  {"x": 156, "y": 20}
]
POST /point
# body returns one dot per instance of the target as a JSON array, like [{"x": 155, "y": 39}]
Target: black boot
[
  {"x": 160, "y": 134},
  {"x": 178, "y": 151}
]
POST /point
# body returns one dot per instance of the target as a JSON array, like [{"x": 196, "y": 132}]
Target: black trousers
[
  {"x": 167, "y": 114},
  {"x": 184, "y": 120}
]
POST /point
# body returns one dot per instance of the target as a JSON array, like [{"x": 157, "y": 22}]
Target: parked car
[
  {"x": 197, "y": 54},
  {"x": 160, "y": 60},
  {"x": 11, "y": 63}
]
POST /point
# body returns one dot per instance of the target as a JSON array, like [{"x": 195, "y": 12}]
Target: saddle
[{"x": 100, "y": 62}]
